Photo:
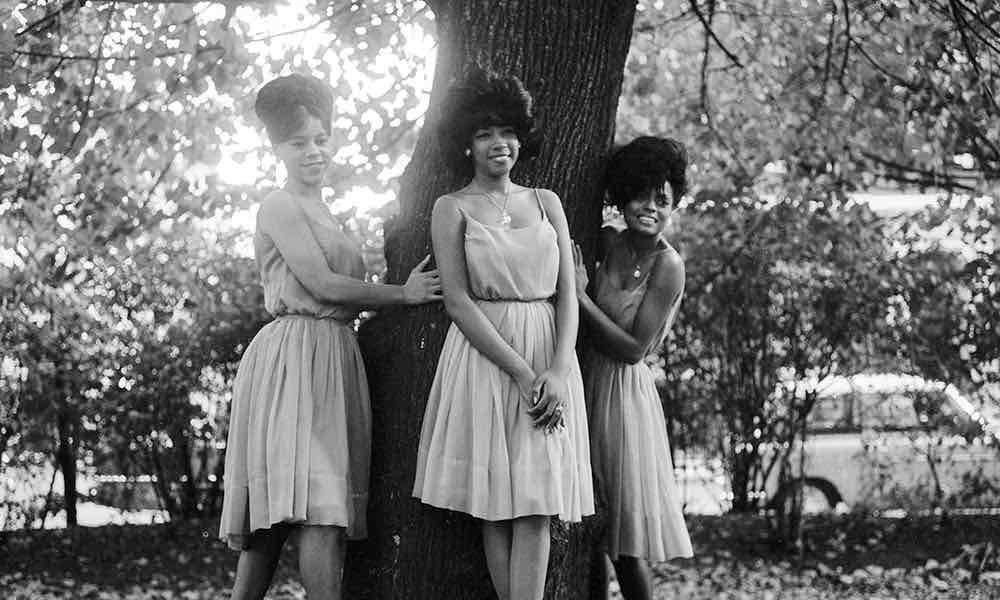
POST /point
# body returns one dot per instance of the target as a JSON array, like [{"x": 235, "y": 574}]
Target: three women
[{"x": 505, "y": 435}]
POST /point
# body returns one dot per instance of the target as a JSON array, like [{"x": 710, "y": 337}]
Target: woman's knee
[
  {"x": 532, "y": 525},
  {"x": 321, "y": 535}
]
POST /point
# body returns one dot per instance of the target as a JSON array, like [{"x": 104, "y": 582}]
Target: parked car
[{"x": 890, "y": 441}]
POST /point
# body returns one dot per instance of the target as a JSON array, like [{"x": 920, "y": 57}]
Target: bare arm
[
  {"x": 448, "y": 235},
  {"x": 552, "y": 386},
  {"x": 567, "y": 310},
  {"x": 666, "y": 282},
  {"x": 286, "y": 224}
]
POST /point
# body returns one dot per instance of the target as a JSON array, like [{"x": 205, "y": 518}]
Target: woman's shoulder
[
  {"x": 277, "y": 205},
  {"x": 669, "y": 266},
  {"x": 669, "y": 255},
  {"x": 449, "y": 209},
  {"x": 451, "y": 201},
  {"x": 543, "y": 194},
  {"x": 550, "y": 201}
]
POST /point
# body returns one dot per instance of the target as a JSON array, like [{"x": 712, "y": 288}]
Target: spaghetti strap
[
  {"x": 458, "y": 205},
  {"x": 541, "y": 207}
]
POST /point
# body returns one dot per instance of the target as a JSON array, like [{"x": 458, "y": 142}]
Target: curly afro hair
[
  {"x": 646, "y": 163},
  {"x": 484, "y": 99},
  {"x": 283, "y": 103}
]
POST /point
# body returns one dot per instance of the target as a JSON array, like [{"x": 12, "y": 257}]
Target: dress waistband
[
  {"x": 341, "y": 321},
  {"x": 514, "y": 300}
]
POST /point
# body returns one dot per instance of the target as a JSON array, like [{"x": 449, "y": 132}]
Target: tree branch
[
  {"x": 962, "y": 25},
  {"x": 878, "y": 67},
  {"x": 710, "y": 32},
  {"x": 160, "y": 177},
  {"x": 93, "y": 82},
  {"x": 925, "y": 177},
  {"x": 991, "y": 44},
  {"x": 46, "y": 20},
  {"x": 847, "y": 46},
  {"x": 829, "y": 59},
  {"x": 132, "y": 58}
]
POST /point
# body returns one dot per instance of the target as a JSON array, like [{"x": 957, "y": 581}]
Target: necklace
[
  {"x": 637, "y": 271},
  {"x": 504, "y": 214}
]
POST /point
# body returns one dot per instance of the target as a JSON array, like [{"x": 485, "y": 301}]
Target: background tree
[
  {"x": 788, "y": 108},
  {"x": 115, "y": 115},
  {"x": 854, "y": 93}
]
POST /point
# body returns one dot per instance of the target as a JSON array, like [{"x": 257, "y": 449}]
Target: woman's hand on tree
[{"x": 422, "y": 286}]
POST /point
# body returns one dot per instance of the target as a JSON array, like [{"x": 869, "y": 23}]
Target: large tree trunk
[{"x": 571, "y": 55}]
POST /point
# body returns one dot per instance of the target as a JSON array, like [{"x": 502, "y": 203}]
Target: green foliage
[
  {"x": 780, "y": 293},
  {"x": 125, "y": 304},
  {"x": 844, "y": 92},
  {"x": 787, "y": 108}
]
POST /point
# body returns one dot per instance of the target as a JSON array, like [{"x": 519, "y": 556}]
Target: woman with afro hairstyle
[
  {"x": 504, "y": 436},
  {"x": 630, "y": 307},
  {"x": 300, "y": 424}
]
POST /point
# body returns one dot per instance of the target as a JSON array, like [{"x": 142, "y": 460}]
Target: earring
[{"x": 468, "y": 152}]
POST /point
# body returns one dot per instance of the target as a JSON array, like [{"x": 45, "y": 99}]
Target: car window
[
  {"x": 892, "y": 411},
  {"x": 936, "y": 411},
  {"x": 831, "y": 414}
]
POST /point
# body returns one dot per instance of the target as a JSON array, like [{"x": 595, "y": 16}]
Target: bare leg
[
  {"x": 496, "y": 543},
  {"x": 257, "y": 563},
  {"x": 321, "y": 560},
  {"x": 529, "y": 557},
  {"x": 634, "y": 578}
]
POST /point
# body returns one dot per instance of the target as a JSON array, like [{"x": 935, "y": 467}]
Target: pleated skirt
[
  {"x": 480, "y": 453},
  {"x": 299, "y": 442},
  {"x": 633, "y": 471}
]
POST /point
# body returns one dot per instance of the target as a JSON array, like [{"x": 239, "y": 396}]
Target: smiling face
[
  {"x": 306, "y": 153},
  {"x": 494, "y": 150},
  {"x": 648, "y": 212}
]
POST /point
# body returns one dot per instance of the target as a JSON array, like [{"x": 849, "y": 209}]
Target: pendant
[
  {"x": 637, "y": 273},
  {"x": 505, "y": 218}
]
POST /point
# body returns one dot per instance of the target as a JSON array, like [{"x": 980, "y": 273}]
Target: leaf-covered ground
[{"x": 845, "y": 557}]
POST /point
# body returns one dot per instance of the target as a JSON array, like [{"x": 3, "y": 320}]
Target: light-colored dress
[
  {"x": 480, "y": 452},
  {"x": 633, "y": 471},
  {"x": 300, "y": 423}
]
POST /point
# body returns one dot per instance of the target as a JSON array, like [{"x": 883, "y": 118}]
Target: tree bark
[{"x": 571, "y": 55}]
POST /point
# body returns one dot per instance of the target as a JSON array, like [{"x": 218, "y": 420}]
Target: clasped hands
[{"x": 546, "y": 395}]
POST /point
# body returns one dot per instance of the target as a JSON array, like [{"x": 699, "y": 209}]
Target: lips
[{"x": 647, "y": 220}]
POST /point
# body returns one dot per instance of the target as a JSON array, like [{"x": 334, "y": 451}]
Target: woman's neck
[
  {"x": 304, "y": 190},
  {"x": 486, "y": 183},
  {"x": 641, "y": 243}
]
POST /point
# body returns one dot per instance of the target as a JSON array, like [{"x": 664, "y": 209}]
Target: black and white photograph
[{"x": 499, "y": 299}]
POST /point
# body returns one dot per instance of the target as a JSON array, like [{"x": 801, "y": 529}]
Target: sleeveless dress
[
  {"x": 480, "y": 452},
  {"x": 633, "y": 470},
  {"x": 300, "y": 422}
]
